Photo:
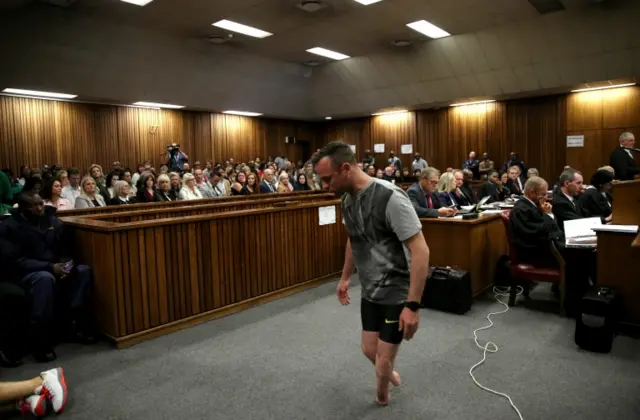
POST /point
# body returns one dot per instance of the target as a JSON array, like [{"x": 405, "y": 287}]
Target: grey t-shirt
[{"x": 378, "y": 219}]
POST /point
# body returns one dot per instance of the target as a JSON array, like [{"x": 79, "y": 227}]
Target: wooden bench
[{"x": 153, "y": 277}]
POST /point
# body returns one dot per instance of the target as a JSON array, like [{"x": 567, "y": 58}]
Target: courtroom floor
[{"x": 299, "y": 358}]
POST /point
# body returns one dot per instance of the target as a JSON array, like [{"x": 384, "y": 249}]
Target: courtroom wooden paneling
[
  {"x": 173, "y": 272},
  {"x": 471, "y": 245}
]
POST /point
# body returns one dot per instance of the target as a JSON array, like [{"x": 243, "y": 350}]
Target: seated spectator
[
  {"x": 446, "y": 189},
  {"x": 461, "y": 197},
  {"x": 388, "y": 174},
  {"x": 218, "y": 183},
  {"x": 176, "y": 184},
  {"x": 267, "y": 184},
  {"x": 424, "y": 198},
  {"x": 189, "y": 190},
  {"x": 136, "y": 176},
  {"x": 206, "y": 189},
  {"x": 147, "y": 193},
  {"x": 25, "y": 172},
  {"x": 165, "y": 192},
  {"x": 112, "y": 178},
  {"x": 380, "y": 174},
  {"x": 466, "y": 188},
  {"x": 121, "y": 194},
  {"x": 532, "y": 172},
  {"x": 127, "y": 177},
  {"x": 6, "y": 193},
  {"x": 164, "y": 169},
  {"x": 406, "y": 175},
  {"x": 51, "y": 194},
  {"x": 44, "y": 269},
  {"x": 495, "y": 188},
  {"x": 251, "y": 187},
  {"x": 63, "y": 177},
  {"x": 371, "y": 171},
  {"x": 237, "y": 188},
  {"x": 89, "y": 197},
  {"x": 95, "y": 171},
  {"x": 73, "y": 190},
  {"x": 595, "y": 202},
  {"x": 515, "y": 183},
  {"x": 284, "y": 186},
  {"x": 301, "y": 183}
]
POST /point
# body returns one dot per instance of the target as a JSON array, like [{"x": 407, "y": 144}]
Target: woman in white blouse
[
  {"x": 89, "y": 196},
  {"x": 189, "y": 189}
]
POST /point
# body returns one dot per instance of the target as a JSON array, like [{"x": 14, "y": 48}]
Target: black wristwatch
[{"x": 414, "y": 306}]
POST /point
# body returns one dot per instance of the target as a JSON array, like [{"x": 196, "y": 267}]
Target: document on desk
[
  {"x": 617, "y": 228},
  {"x": 327, "y": 215},
  {"x": 454, "y": 217},
  {"x": 579, "y": 233},
  {"x": 492, "y": 212}
]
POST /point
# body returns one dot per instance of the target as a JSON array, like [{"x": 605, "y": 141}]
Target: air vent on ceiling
[
  {"x": 311, "y": 6},
  {"x": 60, "y": 3},
  {"x": 312, "y": 63},
  {"x": 547, "y": 6},
  {"x": 220, "y": 39},
  {"x": 401, "y": 43}
]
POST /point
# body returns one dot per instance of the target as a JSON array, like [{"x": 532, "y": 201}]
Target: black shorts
[{"x": 383, "y": 319}]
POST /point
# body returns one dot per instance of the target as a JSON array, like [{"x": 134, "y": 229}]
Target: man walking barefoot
[{"x": 387, "y": 247}]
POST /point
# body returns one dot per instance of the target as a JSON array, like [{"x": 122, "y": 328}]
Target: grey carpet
[{"x": 299, "y": 358}]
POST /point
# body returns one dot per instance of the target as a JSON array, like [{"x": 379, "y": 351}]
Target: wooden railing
[
  {"x": 181, "y": 203},
  {"x": 156, "y": 276}
]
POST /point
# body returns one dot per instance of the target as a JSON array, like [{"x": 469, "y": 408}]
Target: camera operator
[{"x": 176, "y": 158}]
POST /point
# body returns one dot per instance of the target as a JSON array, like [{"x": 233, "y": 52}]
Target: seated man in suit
[
  {"x": 595, "y": 201},
  {"x": 464, "y": 193},
  {"x": 534, "y": 228},
  {"x": 565, "y": 201},
  {"x": 43, "y": 268},
  {"x": 515, "y": 184},
  {"x": 424, "y": 198},
  {"x": 622, "y": 159},
  {"x": 494, "y": 188},
  {"x": 267, "y": 185}
]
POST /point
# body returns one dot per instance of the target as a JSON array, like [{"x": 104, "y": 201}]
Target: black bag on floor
[
  {"x": 448, "y": 290},
  {"x": 596, "y": 321}
]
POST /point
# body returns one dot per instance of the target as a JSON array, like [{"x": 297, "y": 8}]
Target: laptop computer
[{"x": 476, "y": 207}]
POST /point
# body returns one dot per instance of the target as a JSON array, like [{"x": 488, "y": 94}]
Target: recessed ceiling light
[
  {"x": 428, "y": 29},
  {"x": 242, "y": 29},
  {"x": 39, "y": 93},
  {"x": 327, "y": 53},
  {"x": 327, "y": 118},
  {"x": 367, "y": 2},
  {"x": 400, "y": 111},
  {"x": 474, "y": 103},
  {"x": 401, "y": 43},
  {"x": 138, "y": 2},
  {"x": 603, "y": 87},
  {"x": 244, "y": 113},
  {"x": 157, "y": 105}
]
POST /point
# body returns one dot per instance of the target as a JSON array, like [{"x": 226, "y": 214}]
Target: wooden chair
[{"x": 525, "y": 273}]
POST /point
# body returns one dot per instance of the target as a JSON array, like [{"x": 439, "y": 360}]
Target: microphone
[{"x": 632, "y": 149}]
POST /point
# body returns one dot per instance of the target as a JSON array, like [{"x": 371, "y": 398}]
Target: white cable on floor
[{"x": 490, "y": 346}]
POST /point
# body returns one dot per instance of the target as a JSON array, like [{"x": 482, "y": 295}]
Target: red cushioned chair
[{"x": 524, "y": 273}]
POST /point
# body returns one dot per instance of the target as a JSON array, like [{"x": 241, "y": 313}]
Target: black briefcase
[
  {"x": 596, "y": 323},
  {"x": 448, "y": 289}
]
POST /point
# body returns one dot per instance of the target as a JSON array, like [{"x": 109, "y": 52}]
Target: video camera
[{"x": 174, "y": 147}]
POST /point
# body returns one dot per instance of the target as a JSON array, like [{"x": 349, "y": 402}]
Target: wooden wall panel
[
  {"x": 393, "y": 130},
  {"x": 621, "y": 108},
  {"x": 584, "y": 111}
]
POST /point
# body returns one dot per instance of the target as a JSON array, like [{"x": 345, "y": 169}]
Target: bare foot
[
  {"x": 395, "y": 379},
  {"x": 382, "y": 401}
]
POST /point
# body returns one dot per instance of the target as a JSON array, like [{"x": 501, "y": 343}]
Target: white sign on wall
[
  {"x": 406, "y": 149},
  {"x": 575, "y": 141},
  {"x": 378, "y": 148}
]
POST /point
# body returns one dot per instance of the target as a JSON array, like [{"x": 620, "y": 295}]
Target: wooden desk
[
  {"x": 619, "y": 267},
  {"x": 472, "y": 245}
]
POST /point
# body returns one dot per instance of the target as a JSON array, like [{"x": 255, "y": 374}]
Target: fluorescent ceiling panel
[
  {"x": 474, "y": 103},
  {"x": 39, "y": 93},
  {"x": 243, "y": 113},
  {"x": 242, "y": 29},
  {"x": 158, "y": 105},
  {"x": 604, "y": 87},
  {"x": 327, "y": 118},
  {"x": 327, "y": 53},
  {"x": 428, "y": 29},
  {"x": 367, "y": 2},
  {"x": 401, "y": 111},
  {"x": 138, "y": 2}
]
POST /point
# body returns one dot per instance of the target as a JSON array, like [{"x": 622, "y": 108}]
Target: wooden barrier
[
  {"x": 156, "y": 276},
  {"x": 181, "y": 203},
  {"x": 212, "y": 206}
]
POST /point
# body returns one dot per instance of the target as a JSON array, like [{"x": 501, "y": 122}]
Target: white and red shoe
[
  {"x": 54, "y": 388},
  {"x": 34, "y": 404}
]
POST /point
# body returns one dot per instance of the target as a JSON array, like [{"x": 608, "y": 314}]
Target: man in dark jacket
[
  {"x": 622, "y": 159},
  {"x": 423, "y": 197},
  {"x": 565, "y": 200},
  {"x": 44, "y": 269}
]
